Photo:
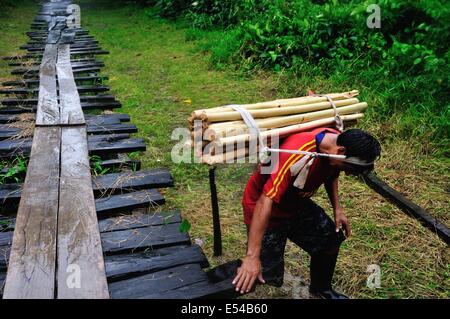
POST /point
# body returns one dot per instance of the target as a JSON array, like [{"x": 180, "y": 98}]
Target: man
[{"x": 275, "y": 210}]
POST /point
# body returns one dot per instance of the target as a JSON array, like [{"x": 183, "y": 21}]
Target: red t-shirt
[{"x": 278, "y": 185}]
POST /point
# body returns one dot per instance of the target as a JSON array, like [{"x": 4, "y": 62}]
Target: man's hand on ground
[
  {"x": 341, "y": 221},
  {"x": 247, "y": 274}
]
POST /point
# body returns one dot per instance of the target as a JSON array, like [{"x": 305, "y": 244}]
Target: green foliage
[
  {"x": 13, "y": 172},
  {"x": 406, "y": 61},
  {"x": 96, "y": 166},
  {"x": 185, "y": 226}
]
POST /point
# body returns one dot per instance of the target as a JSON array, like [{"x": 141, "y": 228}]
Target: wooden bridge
[{"x": 63, "y": 232}]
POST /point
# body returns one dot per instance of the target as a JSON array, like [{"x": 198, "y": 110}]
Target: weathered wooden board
[
  {"x": 104, "y": 118},
  {"x": 105, "y": 184},
  {"x": 128, "y": 202},
  {"x": 78, "y": 234},
  {"x": 116, "y": 146},
  {"x": 155, "y": 178},
  {"x": 84, "y": 105},
  {"x": 203, "y": 289},
  {"x": 4, "y": 257},
  {"x": 35, "y": 82},
  {"x": 6, "y": 118},
  {"x": 143, "y": 238},
  {"x": 138, "y": 221},
  {"x": 2, "y": 282},
  {"x": 85, "y": 98},
  {"x": 85, "y": 47},
  {"x": 120, "y": 163},
  {"x": 408, "y": 207},
  {"x": 69, "y": 99},
  {"x": 6, "y": 238},
  {"x": 47, "y": 112},
  {"x": 73, "y": 52},
  {"x": 10, "y": 131},
  {"x": 119, "y": 267},
  {"x": 10, "y": 193},
  {"x": 31, "y": 271},
  {"x": 80, "y": 89},
  {"x": 100, "y": 146},
  {"x": 157, "y": 282},
  {"x": 11, "y": 148}
]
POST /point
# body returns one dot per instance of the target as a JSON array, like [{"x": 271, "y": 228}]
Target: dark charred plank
[
  {"x": 156, "y": 178},
  {"x": 119, "y": 267},
  {"x": 138, "y": 221},
  {"x": 127, "y": 202},
  {"x": 140, "y": 239},
  {"x": 158, "y": 282}
]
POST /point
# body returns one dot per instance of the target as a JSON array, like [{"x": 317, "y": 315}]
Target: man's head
[{"x": 360, "y": 148}]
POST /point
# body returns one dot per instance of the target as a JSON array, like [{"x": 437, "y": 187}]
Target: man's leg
[
  {"x": 272, "y": 255},
  {"x": 314, "y": 231}
]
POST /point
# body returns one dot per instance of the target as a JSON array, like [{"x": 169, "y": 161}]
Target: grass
[{"x": 160, "y": 78}]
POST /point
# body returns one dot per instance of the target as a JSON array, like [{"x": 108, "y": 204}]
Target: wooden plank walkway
[{"x": 62, "y": 221}]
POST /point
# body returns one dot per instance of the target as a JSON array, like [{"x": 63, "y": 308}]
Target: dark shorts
[{"x": 311, "y": 229}]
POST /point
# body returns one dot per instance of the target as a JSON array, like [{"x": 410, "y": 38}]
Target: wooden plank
[
  {"x": 6, "y": 238},
  {"x": 86, "y": 98},
  {"x": 11, "y": 193},
  {"x": 120, "y": 163},
  {"x": 128, "y": 202},
  {"x": 4, "y": 257},
  {"x": 30, "y": 71},
  {"x": 78, "y": 234},
  {"x": 120, "y": 267},
  {"x": 6, "y": 118},
  {"x": 120, "y": 146},
  {"x": 103, "y": 118},
  {"x": 84, "y": 105},
  {"x": 11, "y": 148},
  {"x": 96, "y": 146},
  {"x": 80, "y": 89},
  {"x": 10, "y": 131},
  {"x": 158, "y": 282},
  {"x": 143, "y": 238},
  {"x": 47, "y": 108},
  {"x": 2, "y": 282},
  {"x": 138, "y": 221},
  {"x": 31, "y": 271},
  {"x": 408, "y": 207},
  {"x": 31, "y": 82},
  {"x": 155, "y": 178},
  {"x": 204, "y": 289},
  {"x": 70, "y": 108}
]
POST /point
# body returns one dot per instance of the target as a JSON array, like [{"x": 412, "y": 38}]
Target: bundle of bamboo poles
[{"x": 219, "y": 135}]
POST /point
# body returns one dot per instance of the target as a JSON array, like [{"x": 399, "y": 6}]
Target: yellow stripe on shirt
[{"x": 290, "y": 161}]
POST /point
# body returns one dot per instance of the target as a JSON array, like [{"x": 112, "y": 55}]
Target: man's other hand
[
  {"x": 247, "y": 274},
  {"x": 341, "y": 221}
]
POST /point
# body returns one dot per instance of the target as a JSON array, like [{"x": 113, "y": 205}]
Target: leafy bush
[{"x": 406, "y": 61}]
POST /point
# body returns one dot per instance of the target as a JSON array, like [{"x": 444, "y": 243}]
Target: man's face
[{"x": 348, "y": 169}]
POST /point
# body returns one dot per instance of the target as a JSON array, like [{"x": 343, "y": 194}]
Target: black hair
[{"x": 360, "y": 144}]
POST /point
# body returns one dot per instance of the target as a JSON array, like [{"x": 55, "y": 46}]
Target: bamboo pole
[
  {"x": 288, "y": 110},
  {"x": 279, "y": 103}
]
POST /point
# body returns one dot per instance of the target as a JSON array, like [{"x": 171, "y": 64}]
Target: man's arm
[
  {"x": 340, "y": 219},
  {"x": 251, "y": 264}
]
